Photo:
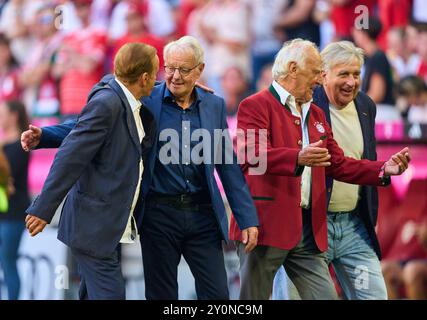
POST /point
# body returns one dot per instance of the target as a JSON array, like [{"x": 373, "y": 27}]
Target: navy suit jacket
[
  {"x": 97, "y": 166},
  {"x": 212, "y": 116},
  {"x": 368, "y": 203}
]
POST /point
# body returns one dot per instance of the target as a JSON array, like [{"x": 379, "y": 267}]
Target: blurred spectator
[
  {"x": 419, "y": 11},
  {"x": 9, "y": 87},
  {"x": 412, "y": 99},
  {"x": 392, "y": 14},
  {"x": 193, "y": 27},
  {"x": 321, "y": 16},
  {"x": 265, "y": 41},
  {"x": 411, "y": 38},
  {"x": 41, "y": 91},
  {"x": 13, "y": 121},
  {"x": 377, "y": 81},
  {"x": 265, "y": 79},
  {"x": 101, "y": 11},
  {"x": 421, "y": 233},
  {"x": 160, "y": 20},
  {"x": 402, "y": 58},
  {"x": 185, "y": 9},
  {"x": 225, "y": 27},
  {"x": 100, "y": 14},
  {"x": 80, "y": 62},
  {"x": 406, "y": 267},
  {"x": 422, "y": 52},
  {"x": 343, "y": 15},
  {"x": 297, "y": 21},
  {"x": 15, "y": 23},
  {"x": 68, "y": 18},
  {"x": 5, "y": 186},
  {"x": 235, "y": 89},
  {"x": 137, "y": 32},
  {"x": 400, "y": 233},
  {"x": 2, "y": 4}
]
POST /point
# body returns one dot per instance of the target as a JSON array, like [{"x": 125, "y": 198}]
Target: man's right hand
[
  {"x": 31, "y": 138},
  {"x": 314, "y": 156},
  {"x": 250, "y": 238}
]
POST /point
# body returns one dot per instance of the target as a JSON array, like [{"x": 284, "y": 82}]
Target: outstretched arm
[{"x": 46, "y": 137}]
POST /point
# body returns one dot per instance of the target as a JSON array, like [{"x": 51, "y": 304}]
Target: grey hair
[
  {"x": 292, "y": 51},
  {"x": 341, "y": 52},
  {"x": 185, "y": 43}
]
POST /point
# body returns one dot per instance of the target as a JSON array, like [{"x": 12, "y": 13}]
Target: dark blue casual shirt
[{"x": 181, "y": 175}]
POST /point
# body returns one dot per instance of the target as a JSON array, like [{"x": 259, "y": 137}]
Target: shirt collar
[
  {"x": 287, "y": 99},
  {"x": 133, "y": 102},
  {"x": 169, "y": 97},
  {"x": 351, "y": 104}
]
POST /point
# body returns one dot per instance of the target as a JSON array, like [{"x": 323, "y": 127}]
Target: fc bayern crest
[{"x": 319, "y": 127}]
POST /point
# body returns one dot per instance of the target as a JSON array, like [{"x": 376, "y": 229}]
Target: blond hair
[{"x": 132, "y": 60}]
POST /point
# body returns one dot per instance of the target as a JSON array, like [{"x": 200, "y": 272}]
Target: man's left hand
[
  {"x": 398, "y": 163},
  {"x": 34, "y": 224},
  {"x": 250, "y": 238},
  {"x": 204, "y": 88}
]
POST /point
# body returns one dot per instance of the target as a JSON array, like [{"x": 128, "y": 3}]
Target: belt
[
  {"x": 184, "y": 200},
  {"x": 355, "y": 211}
]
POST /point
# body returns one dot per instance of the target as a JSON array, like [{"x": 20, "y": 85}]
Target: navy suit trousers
[
  {"x": 100, "y": 278},
  {"x": 169, "y": 232}
]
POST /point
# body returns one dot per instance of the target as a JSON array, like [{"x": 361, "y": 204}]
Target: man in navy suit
[
  {"x": 353, "y": 248},
  {"x": 99, "y": 165},
  {"x": 183, "y": 213}
]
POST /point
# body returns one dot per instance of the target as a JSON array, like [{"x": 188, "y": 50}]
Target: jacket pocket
[{"x": 92, "y": 198}]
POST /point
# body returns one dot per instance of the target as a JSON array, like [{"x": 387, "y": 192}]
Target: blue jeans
[
  {"x": 355, "y": 263},
  {"x": 10, "y": 238}
]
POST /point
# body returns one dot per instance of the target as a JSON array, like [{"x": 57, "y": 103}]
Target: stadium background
[{"x": 61, "y": 48}]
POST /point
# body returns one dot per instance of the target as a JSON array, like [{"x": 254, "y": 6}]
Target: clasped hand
[{"x": 314, "y": 155}]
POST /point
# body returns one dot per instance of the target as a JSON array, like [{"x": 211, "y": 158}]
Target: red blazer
[{"x": 277, "y": 192}]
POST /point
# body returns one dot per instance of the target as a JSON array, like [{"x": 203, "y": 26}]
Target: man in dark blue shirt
[
  {"x": 182, "y": 176},
  {"x": 183, "y": 207}
]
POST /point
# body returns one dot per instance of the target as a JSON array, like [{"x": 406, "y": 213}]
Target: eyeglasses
[{"x": 182, "y": 71}]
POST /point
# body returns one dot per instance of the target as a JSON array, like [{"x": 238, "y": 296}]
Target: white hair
[
  {"x": 341, "y": 52},
  {"x": 185, "y": 43},
  {"x": 292, "y": 51}
]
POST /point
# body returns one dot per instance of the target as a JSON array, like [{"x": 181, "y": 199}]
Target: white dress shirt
[
  {"x": 131, "y": 231},
  {"x": 287, "y": 99}
]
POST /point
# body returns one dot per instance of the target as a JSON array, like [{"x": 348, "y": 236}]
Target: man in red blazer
[{"x": 290, "y": 196}]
